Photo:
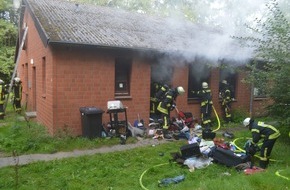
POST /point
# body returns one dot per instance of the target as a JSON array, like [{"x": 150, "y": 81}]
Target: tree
[
  {"x": 272, "y": 48},
  {"x": 8, "y": 38},
  {"x": 180, "y": 8}
]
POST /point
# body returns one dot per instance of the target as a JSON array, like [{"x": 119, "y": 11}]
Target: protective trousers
[
  {"x": 17, "y": 98},
  {"x": 166, "y": 121},
  {"x": 265, "y": 152},
  {"x": 2, "y": 99},
  {"x": 227, "y": 114},
  {"x": 1, "y": 111},
  {"x": 206, "y": 115}
]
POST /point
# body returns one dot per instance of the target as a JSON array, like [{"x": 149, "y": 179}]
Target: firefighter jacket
[
  {"x": 158, "y": 92},
  {"x": 161, "y": 92},
  {"x": 205, "y": 96},
  {"x": 261, "y": 130},
  {"x": 2, "y": 93},
  {"x": 166, "y": 104},
  {"x": 17, "y": 91},
  {"x": 226, "y": 96}
]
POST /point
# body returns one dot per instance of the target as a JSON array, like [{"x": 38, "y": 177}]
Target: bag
[
  {"x": 208, "y": 134},
  {"x": 227, "y": 157},
  {"x": 190, "y": 150}
]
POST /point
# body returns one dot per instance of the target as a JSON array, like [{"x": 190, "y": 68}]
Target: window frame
[
  {"x": 196, "y": 77},
  {"x": 43, "y": 65},
  {"x": 123, "y": 69},
  {"x": 229, "y": 74}
]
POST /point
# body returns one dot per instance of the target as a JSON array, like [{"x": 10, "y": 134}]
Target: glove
[
  {"x": 251, "y": 151},
  {"x": 173, "y": 106},
  {"x": 248, "y": 144},
  {"x": 251, "y": 148}
]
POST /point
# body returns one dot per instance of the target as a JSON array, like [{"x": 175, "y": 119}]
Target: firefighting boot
[
  {"x": 166, "y": 134},
  {"x": 264, "y": 163}
]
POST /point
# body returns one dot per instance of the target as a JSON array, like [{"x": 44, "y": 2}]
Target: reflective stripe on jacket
[
  {"x": 261, "y": 130},
  {"x": 205, "y": 96}
]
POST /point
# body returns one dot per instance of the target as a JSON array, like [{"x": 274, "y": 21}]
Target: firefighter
[
  {"x": 17, "y": 87},
  {"x": 268, "y": 133},
  {"x": 158, "y": 91},
  {"x": 166, "y": 105},
  {"x": 225, "y": 93},
  {"x": 2, "y": 98},
  {"x": 206, "y": 103}
]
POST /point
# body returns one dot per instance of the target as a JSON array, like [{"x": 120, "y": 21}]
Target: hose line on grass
[
  {"x": 218, "y": 120},
  {"x": 277, "y": 173},
  {"x": 141, "y": 177}
]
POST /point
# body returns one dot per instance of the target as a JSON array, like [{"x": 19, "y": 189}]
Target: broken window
[
  {"x": 230, "y": 75},
  {"x": 198, "y": 72}
]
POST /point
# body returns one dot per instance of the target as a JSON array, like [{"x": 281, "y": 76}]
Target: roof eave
[{"x": 101, "y": 46}]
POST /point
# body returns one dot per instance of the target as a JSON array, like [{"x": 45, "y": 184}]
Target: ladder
[{"x": 16, "y": 66}]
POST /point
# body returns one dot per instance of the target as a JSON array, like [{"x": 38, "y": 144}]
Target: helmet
[
  {"x": 225, "y": 82},
  {"x": 180, "y": 90},
  {"x": 246, "y": 122},
  {"x": 1, "y": 81},
  {"x": 204, "y": 85},
  {"x": 17, "y": 79}
]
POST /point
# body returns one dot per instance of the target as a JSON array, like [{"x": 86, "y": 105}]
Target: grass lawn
[{"x": 139, "y": 168}]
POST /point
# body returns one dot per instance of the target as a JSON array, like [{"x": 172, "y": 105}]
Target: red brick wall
[
  {"x": 86, "y": 78},
  {"x": 35, "y": 49}
]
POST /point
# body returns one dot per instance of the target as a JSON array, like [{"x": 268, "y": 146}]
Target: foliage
[
  {"x": 180, "y": 8},
  {"x": 271, "y": 66},
  {"x": 8, "y": 38},
  {"x": 8, "y": 12},
  {"x": 6, "y": 62}
]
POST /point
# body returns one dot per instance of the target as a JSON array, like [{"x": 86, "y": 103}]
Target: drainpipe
[{"x": 251, "y": 99}]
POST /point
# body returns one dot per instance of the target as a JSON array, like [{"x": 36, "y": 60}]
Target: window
[
  {"x": 198, "y": 72},
  {"x": 230, "y": 75},
  {"x": 43, "y": 75},
  {"x": 260, "y": 85},
  {"x": 122, "y": 76},
  {"x": 26, "y": 79}
]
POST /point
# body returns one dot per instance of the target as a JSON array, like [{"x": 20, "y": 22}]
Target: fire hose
[
  {"x": 218, "y": 119},
  {"x": 141, "y": 177},
  {"x": 242, "y": 150},
  {"x": 277, "y": 173}
]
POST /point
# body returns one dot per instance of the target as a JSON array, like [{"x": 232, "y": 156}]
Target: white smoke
[
  {"x": 228, "y": 19},
  {"x": 214, "y": 43}
]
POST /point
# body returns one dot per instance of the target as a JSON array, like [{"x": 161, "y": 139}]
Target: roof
[{"x": 63, "y": 21}]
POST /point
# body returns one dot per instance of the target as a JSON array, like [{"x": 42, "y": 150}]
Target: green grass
[
  {"x": 122, "y": 170},
  {"x": 27, "y": 138},
  {"x": 126, "y": 170}
]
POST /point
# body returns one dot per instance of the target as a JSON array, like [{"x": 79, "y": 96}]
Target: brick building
[{"x": 81, "y": 56}]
